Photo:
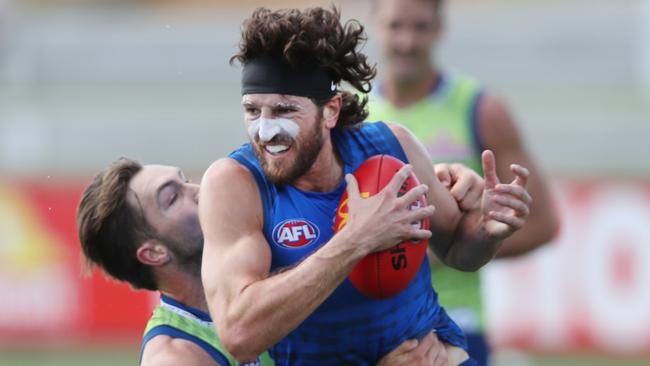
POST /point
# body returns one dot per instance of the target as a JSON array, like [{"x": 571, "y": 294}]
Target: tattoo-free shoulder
[{"x": 164, "y": 350}]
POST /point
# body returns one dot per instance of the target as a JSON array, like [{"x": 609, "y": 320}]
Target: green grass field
[
  {"x": 75, "y": 356},
  {"x": 111, "y": 356}
]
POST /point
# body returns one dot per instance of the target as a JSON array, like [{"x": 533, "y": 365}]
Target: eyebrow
[
  {"x": 247, "y": 103},
  {"x": 287, "y": 105}
]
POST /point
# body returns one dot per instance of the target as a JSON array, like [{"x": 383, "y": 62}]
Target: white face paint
[{"x": 266, "y": 129}]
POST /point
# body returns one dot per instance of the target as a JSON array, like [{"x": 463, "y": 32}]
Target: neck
[
  {"x": 403, "y": 93},
  {"x": 184, "y": 288},
  {"x": 325, "y": 174}
]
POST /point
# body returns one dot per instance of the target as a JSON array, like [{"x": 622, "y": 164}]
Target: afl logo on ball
[{"x": 295, "y": 233}]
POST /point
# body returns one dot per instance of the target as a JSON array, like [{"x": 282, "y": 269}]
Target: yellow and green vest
[
  {"x": 179, "y": 321},
  {"x": 446, "y": 123}
]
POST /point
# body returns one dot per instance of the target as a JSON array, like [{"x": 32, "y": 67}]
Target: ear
[
  {"x": 331, "y": 111},
  {"x": 153, "y": 253}
]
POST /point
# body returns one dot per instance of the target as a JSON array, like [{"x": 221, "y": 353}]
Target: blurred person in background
[
  {"x": 456, "y": 120},
  {"x": 140, "y": 224}
]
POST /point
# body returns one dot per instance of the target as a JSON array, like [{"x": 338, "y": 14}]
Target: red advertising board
[
  {"x": 590, "y": 288},
  {"x": 45, "y": 292}
]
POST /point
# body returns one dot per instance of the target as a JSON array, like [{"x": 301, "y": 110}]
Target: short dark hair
[
  {"x": 314, "y": 37},
  {"x": 111, "y": 230}
]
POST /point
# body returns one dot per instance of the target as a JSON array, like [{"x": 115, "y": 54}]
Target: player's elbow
[{"x": 241, "y": 344}]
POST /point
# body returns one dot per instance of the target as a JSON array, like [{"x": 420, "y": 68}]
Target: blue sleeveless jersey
[{"x": 348, "y": 328}]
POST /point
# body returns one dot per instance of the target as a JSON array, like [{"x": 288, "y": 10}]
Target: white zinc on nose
[{"x": 266, "y": 129}]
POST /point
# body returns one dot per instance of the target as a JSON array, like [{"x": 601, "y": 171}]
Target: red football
[{"x": 384, "y": 274}]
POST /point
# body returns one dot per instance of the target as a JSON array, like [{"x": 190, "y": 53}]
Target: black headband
[{"x": 275, "y": 76}]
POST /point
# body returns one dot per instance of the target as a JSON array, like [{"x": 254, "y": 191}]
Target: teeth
[{"x": 275, "y": 149}]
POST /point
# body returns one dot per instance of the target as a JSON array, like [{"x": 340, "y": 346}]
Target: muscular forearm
[
  {"x": 504, "y": 209},
  {"x": 267, "y": 310},
  {"x": 471, "y": 247}
]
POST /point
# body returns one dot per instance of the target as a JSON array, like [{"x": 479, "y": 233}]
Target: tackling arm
[
  {"x": 249, "y": 306},
  {"x": 468, "y": 240}
]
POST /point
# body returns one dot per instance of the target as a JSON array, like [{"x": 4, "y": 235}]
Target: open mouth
[{"x": 276, "y": 150}]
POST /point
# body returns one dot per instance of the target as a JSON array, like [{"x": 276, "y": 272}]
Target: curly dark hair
[
  {"x": 313, "y": 37},
  {"x": 111, "y": 230}
]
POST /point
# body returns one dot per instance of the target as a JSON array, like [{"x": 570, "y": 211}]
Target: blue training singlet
[{"x": 348, "y": 328}]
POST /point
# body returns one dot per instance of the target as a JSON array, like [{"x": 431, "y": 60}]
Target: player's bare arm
[
  {"x": 464, "y": 184},
  {"x": 254, "y": 309},
  {"x": 447, "y": 214},
  {"x": 503, "y": 210},
  {"x": 499, "y": 134},
  {"x": 163, "y": 350},
  {"x": 467, "y": 241}
]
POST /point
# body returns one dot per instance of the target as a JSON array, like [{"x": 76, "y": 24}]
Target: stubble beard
[{"x": 306, "y": 155}]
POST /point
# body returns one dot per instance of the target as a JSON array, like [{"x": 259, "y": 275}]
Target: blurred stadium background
[{"x": 83, "y": 82}]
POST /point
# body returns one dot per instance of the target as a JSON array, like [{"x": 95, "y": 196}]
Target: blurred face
[
  {"x": 286, "y": 133},
  {"x": 170, "y": 205},
  {"x": 407, "y": 31}
]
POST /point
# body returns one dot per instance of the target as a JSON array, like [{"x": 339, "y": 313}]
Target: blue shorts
[{"x": 479, "y": 350}]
